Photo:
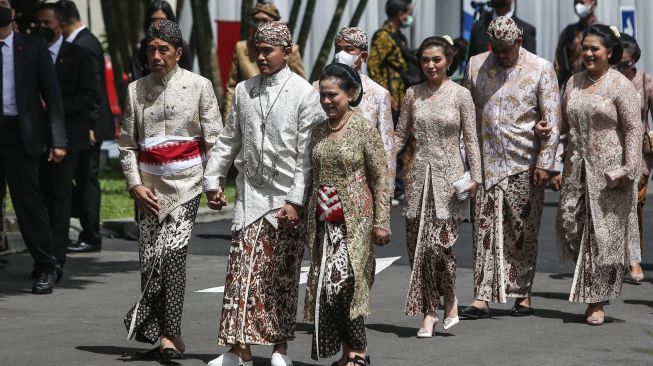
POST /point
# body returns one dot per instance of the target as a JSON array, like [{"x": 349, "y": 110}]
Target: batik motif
[
  {"x": 431, "y": 258},
  {"x": 260, "y": 292},
  {"x": 600, "y": 223},
  {"x": 162, "y": 251},
  {"x": 333, "y": 324},
  {"x": 505, "y": 245}
]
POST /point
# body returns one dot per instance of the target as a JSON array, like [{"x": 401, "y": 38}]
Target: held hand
[
  {"x": 556, "y": 182},
  {"x": 216, "y": 199},
  {"x": 473, "y": 188},
  {"x": 145, "y": 200},
  {"x": 381, "y": 237},
  {"x": 57, "y": 154},
  {"x": 542, "y": 130},
  {"x": 540, "y": 177},
  {"x": 288, "y": 216},
  {"x": 91, "y": 136}
]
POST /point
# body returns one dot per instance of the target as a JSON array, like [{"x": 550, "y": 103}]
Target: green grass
[{"x": 116, "y": 202}]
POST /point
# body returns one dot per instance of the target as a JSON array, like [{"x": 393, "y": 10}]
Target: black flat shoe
[
  {"x": 172, "y": 354},
  {"x": 153, "y": 354},
  {"x": 521, "y": 310},
  {"x": 472, "y": 312}
]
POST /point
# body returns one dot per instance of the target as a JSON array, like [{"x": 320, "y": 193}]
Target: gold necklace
[{"x": 342, "y": 123}]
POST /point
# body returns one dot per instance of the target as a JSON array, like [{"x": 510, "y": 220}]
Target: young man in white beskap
[{"x": 266, "y": 136}]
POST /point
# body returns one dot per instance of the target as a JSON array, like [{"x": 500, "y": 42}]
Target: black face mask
[
  {"x": 44, "y": 32},
  {"x": 499, "y": 3},
  {"x": 5, "y": 16}
]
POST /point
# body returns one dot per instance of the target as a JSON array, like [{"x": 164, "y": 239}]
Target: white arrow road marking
[{"x": 381, "y": 264}]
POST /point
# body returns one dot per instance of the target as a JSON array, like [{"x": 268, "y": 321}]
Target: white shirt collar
[
  {"x": 9, "y": 41},
  {"x": 55, "y": 48},
  {"x": 73, "y": 35}
]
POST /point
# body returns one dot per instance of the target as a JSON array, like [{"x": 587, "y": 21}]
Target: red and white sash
[
  {"x": 169, "y": 154},
  {"x": 329, "y": 206}
]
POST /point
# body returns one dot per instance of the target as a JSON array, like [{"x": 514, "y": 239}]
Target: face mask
[
  {"x": 5, "y": 16},
  {"x": 499, "y": 3},
  {"x": 44, "y": 32},
  {"x": 343, "y": 57},
  {"x": 408, "y": 23},
  {"x": 582, "y": 10}
]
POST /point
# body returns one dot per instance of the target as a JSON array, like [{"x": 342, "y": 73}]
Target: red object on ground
[{"x": 228, "y": 35}]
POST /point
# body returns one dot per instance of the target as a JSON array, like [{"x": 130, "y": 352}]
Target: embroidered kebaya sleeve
[
  {"x": 405, "y": 125},
  {"x": 548, "y": 96},
  {"x": 470, "y": 137},
  {"x": 310, "y": 113},
  {"x": 631, "y": 124},
  {"x": 210, "y": 119},
  {"x": 377, "y": 175},
  {"x": 128, "y": 141},
  {"x": 561, "y": 150},
  {"x": 386, "y": 128},
  {"x": 225, "y": 149}
]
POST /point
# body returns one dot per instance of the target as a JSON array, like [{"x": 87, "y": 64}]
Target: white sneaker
[
  {"x": 280, "y": 360},
  {"x": 230, "y": 359}
]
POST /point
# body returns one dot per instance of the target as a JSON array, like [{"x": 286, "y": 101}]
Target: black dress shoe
[
  {"x": 172, "y": 354},
  {"x": 153, "y": 354},
  {"x": 521, "y": 310},
  {"x": 44, "y": 283},
  {"x": 472, "y": 312},
  {"x": 82, "y": 247},
  {"x": 58, "y": 269}
]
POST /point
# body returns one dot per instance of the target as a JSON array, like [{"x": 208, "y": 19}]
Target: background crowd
[{"x": 517, "y": 124}]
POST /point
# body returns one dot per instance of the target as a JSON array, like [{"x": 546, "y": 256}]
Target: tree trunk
[
  {"x": 294, "y": 14},
  {"x": 328, "y": 41},
  {"x": 203, "y": 45},
  {"x": 245, "y": 8},
  {"x": 306, "y": 24},
  {"x": 358, "y": 13}
]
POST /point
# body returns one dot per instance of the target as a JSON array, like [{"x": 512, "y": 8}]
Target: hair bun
[{"x": 615, "y": 31}]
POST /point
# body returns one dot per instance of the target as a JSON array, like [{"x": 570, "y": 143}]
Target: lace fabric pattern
[
  {"x": 182, "y": 105},
  {"x": 509, "y": 102},
  {"x": 439, "y": 122},
  {"x": 285, "y": 165},
  {"x": 605, "y": 134}
]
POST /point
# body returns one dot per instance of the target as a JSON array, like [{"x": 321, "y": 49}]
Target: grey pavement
[{"x": 81, "y": 323}]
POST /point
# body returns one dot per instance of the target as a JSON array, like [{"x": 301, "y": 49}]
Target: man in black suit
[
  {"x": 479, "y": 41},
  {"x": 79, "y": 90},
  {"x": 32, "y": 119},
  {"x": 86, "y": 196}
]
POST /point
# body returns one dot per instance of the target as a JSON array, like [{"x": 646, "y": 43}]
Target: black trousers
[
  {"x": 57, "y": 185},
  {"x": 21, "y": 172},
  {"x": 86, "y": 194}
]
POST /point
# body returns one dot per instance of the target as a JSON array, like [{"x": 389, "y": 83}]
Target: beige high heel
[
  {"x": 427, "y": 333},
  {"x": 450, "y": 322}
]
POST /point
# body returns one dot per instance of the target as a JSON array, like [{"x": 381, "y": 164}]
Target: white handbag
[{"x": 462, "y": 186}]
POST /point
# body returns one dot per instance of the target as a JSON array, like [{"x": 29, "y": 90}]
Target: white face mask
[
  {"x": 343, "y": 57},
  {"x": 583, "y": 10}
]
